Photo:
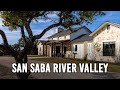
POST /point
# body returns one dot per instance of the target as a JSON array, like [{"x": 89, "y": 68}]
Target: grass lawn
[{"x": 111, "y": 67}]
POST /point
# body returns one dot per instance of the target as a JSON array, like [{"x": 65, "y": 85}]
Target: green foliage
[
  {"x": 9, "y": 18},
  {"x": 79, "y": 17},
  {"x": 13, "y": 19},
  {"x": 68, "y": 18}
]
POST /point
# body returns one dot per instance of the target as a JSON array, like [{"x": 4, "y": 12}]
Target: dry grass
[{"x": 114, "y": 67}]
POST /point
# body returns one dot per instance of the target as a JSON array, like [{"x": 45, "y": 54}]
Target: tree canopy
[
  {"x": 67, "y": 19},
  {"x": 14, "y": 19}
]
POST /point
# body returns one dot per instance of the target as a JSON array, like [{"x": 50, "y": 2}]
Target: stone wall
[{"x": 104, "y": 35}]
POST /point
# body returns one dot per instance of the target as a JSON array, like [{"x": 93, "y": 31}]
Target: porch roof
[
  {"x": 62, "y": 33},
  {"x": 56, "y": 41}
]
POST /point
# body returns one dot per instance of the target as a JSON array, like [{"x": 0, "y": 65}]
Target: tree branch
[
  {"x": 2, "y": 47},
  {"x": 41, "y": 14},
  {"x": 45, "y": 30},
  {"x": 22, "y": 32},
  {"x": 27, "y": 26},
  {"x": 6, "y": 46},
  {"x": 26, "y": 49},
  {"x": 4, "y": 38},
  {"x": 30, "y": 44},
  {"x": 23, "y": 35}
]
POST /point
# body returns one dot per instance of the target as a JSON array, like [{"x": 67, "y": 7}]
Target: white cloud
[
  {"x": 52, "y": 16},
  {"x": 41, "y": 21}
]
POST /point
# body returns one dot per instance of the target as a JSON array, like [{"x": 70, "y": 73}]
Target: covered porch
[{"x": 57, "y": 48}]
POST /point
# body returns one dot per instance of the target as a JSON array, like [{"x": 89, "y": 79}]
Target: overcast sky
[{"x": 112, "y": 16}]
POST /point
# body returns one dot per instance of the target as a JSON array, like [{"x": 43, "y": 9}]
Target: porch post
[
  {"x": 51, "y": 49},
  {"x": 46, "y": 49},
  {"x": 54, "y": 50},
  {"x": 62, "y": 49},
  {"x": 43, "y": 50}
]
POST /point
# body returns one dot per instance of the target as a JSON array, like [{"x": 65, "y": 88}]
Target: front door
[{"x": 58, "y": 51}]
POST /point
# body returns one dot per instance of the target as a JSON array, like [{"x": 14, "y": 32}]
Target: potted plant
[{"x": 97, "y": 47}]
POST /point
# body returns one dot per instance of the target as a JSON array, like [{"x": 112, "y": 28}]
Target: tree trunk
[{"x": 24, "y": 75}]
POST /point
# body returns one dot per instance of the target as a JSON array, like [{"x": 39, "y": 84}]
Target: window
[
  {"x": 75, "y": 47},
  {"x": 108, "y": 27},
  {"x": 109, "y": 49}
]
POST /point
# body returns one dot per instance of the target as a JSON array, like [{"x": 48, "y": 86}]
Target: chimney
[{"x": 59, "y": 30}]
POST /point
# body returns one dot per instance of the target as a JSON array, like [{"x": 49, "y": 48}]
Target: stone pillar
[
  {"x": 62, "y": 49},
  {"x": 43, "y": 50},
  {"x": 46, "y": 49},
  {"x": 52, "y": 50}
]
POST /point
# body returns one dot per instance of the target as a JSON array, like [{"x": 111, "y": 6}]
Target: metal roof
[{"x": 83, "y": 37}]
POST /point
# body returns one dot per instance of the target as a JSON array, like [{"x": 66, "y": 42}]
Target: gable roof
[
  {"x": 41, "y": 41},
  {"x": 83, "y": 37},
  {"x": 76, "y": 29},
  {"x": 62, "y": 33},
  {"x": 68, "y": 32},
  {"x": 56, "y": 41},
  {"x": 104, "y": 24}
]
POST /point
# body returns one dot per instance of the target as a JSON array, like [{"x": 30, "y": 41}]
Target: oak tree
[{"x": 23, "y": 19}]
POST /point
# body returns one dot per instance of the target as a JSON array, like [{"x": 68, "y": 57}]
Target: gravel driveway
[{"x": 7, "y": 61}]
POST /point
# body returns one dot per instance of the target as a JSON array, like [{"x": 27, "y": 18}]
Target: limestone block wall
[{"x": 105, "y": 35}]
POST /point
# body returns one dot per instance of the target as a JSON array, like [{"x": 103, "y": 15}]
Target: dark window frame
[
  {"x": 108, "y": 27},
  {"x": 76, "y": 48},
  {"x": 108, "y": 48}
]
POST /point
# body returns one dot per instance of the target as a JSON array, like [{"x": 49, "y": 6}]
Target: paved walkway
[{"x": 7, "y": 61}]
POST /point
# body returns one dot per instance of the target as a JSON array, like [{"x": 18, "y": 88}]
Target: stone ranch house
[{"x": 101, "y": 45}]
